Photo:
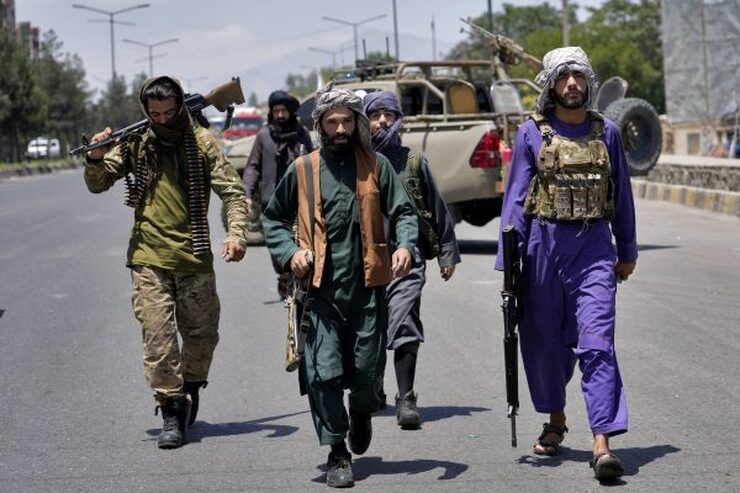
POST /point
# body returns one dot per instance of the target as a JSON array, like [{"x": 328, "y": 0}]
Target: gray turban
[
  {"x": 557, "y": 61},
  {"x": 329, "y": 98}
]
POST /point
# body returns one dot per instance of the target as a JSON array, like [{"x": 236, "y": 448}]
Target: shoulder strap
[
  {"x": 308, "y": 172},
  {"x": 597, "y": 124},
  {"x": 544, "y": 126}
]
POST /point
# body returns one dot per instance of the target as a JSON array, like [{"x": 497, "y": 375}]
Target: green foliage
[
  {"x": 252, "y": 100},
  {"x": 117, "y": 107},
  {"x": 22, "y": 104},
  {"x": 301, "y": 86},
  {"x": 61, "y": 79},
  {"x": 621, "y": 37}
]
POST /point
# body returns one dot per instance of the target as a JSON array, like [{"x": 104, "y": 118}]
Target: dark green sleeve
[
  {"x": 278, "y": 218},
  {"x": 398, "y": 208}
]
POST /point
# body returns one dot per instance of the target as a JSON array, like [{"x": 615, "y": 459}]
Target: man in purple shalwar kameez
[{"x": 566, "y": 212}]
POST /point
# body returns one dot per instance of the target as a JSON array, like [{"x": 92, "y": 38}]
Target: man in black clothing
[{"x": 276, "y": 146}]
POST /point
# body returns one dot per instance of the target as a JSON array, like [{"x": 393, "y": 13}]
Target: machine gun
[
  {"x": 223, "y": 98},
  {"x": 511, "y": 307},
  {"x": 504, "y": 50}
]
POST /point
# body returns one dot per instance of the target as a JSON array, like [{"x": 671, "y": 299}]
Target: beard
[
  {"x": 571, "y": 100},
  {"x": 339, "y": 145}
]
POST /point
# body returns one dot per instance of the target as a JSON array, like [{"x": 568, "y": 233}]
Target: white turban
[
  {"x": 557, "y": 61},
  {"x": 329, "y": 98}
]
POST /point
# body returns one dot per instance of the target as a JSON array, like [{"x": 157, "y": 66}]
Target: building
[
  {"x": 702, "y": 75},
  {"x": 28, "y": 36},
  {"x": 7, "y": 13}
]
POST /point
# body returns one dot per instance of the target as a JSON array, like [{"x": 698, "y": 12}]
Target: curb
[
  {"x": 37, "y": 170},
  {"x": 722, "y": 201}
]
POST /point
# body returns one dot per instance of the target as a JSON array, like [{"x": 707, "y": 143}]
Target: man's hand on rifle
[
  {"x": 300, "y": 263},
  {"x": 97, "y": 154},
  {"x": 232, "y": 252}
]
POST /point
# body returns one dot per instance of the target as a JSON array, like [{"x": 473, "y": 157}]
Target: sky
[{"x": 260, "y": 41}]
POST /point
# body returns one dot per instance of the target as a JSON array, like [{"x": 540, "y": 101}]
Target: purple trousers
[{"x": 569, "y": 293}]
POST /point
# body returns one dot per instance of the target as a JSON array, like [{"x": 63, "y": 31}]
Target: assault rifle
[
  {"x": 299, "y": 304},
  {"x": 511, "y": 307},
  {"x": 223, "y": 98}
]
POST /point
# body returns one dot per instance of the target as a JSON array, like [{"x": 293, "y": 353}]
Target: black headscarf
[{"x": 284, "y": 134}]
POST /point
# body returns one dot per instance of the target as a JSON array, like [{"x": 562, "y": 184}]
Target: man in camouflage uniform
[
  {"x": 168, "y": 171},
  {"x": 568, "y": 194}
]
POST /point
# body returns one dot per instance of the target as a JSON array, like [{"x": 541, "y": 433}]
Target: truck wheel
[{"x": 641, "y": 132}]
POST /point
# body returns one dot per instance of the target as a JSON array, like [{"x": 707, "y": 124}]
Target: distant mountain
[{"x": 267, "y": 77}]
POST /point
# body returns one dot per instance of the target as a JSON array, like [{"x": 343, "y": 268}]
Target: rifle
[
  {"x": 299, "y": 306},
  {"x": 223, "y": 98},
  {"x": 511, "y": 307}
]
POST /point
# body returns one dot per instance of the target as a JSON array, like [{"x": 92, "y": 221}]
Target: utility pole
[
  {"x": 354, "y": 27},
  {"x": 395, "y": 29},
  {"x": 151, "y": 47},
  {"x": 111, "y": 21},
  {"x": 490, "y": 17},
  {"x": 566, "y": 24},
  {"x": 328, "y": 52},
  {"x": 434, "y": 40}
]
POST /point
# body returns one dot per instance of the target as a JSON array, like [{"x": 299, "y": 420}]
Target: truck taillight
[{"x": 486, "y": 153}]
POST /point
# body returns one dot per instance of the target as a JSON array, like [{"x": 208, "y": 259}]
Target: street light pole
[
  {"x": 328, "y": 52},
  {"x": 354, "y": 27},
  {"x": 395, "y": 30},
  {"x": 151, "y": 46},
  {"x": 110, "y": 20}
]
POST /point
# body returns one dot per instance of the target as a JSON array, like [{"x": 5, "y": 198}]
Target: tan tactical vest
[
  {"x": 573, "y": 180},
  {"x": 376, "y": 253}
]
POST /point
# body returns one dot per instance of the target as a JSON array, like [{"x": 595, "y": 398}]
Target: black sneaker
[
  {"x": 339, "y": 470},
  {"x": 360, "y": 432},
  {"x": 407, "y": 416}
]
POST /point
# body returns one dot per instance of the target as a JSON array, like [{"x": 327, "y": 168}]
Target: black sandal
[
  {"x": 548, "y": 443},
  {"x": 606, "y": 466}
]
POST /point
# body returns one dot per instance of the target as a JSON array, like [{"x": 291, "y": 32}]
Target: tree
[
  {"x": 624, "y": 38},
  {"x": 22, "y": 104},
  {"x": 252, "y": 100},
  {"x": 61, "y": 78},
  {"x": 621, "y": 37},
  {"x": 300, "y": 86},
  {"x": 117, "y": 107}
]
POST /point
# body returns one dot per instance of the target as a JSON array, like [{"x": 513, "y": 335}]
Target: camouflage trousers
[{"x": 165, "y": 303}]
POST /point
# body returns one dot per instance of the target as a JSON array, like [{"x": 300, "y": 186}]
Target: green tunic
[
  {"x": 160, "y": 236},
  {"x": 345, "y": 346}
]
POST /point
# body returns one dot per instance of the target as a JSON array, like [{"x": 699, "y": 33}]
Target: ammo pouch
[{"x": 573, "y": 180}]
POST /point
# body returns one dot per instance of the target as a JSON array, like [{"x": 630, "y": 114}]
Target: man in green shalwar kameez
[{"x": 343, "y": 248}]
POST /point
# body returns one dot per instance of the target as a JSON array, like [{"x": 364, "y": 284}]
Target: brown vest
[{"x": 376, "y": 254}]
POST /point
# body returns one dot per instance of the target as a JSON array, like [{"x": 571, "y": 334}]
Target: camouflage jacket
[{"x": 224, "y": 180}]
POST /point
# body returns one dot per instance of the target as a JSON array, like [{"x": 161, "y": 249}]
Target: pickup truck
[{"x": 449, "y": 116}]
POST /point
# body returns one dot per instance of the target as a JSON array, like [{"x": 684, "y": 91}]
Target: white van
[{"x": 43, "y": 147}]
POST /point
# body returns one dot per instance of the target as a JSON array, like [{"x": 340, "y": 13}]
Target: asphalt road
[{"x": 77, "y": 416}]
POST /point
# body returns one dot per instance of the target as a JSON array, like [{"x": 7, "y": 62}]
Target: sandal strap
[{"x": 548, "y": 428}]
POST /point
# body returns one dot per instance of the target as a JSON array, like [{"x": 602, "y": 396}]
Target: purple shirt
[{"x": 524, "y": 167}]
